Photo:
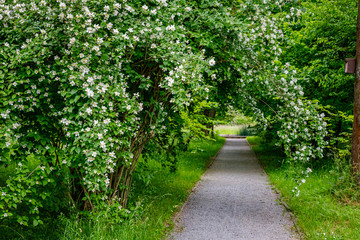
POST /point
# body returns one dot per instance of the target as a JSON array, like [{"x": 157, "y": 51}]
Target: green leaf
[
  {"x": 73, "y": 91},
  {"x": 76, "y": 98},
  {"x": 43, "y": 142},
  {"x": 36, "y": 222},
  {"x": 105, "y": 57}
]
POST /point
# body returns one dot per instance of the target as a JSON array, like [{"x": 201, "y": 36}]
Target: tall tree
[{"x": 355, "y": 153}]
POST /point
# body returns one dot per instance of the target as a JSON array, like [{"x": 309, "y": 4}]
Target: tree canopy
[{"x": 86, "y": 85}]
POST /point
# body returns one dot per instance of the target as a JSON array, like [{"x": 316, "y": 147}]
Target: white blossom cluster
[
  {"x": 270, "y": 86},
  {"x": 91, "y": 81}
]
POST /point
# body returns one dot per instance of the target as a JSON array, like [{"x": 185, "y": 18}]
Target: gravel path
[{"x": 233, "y": 201}]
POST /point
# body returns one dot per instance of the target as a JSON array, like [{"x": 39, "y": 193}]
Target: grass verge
[
  {"x": 157, "y": 194},
  {"x": 240, "y": 130},
  {"x": 319, "y": 214}
]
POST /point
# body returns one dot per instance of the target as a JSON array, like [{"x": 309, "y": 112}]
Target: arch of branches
[{"x": 86, "y": 84}]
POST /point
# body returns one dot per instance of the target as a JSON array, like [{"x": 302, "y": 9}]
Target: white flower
[
  {"x": 170, "y": 81},
  {"x": 88, "y": 111},
  {"x": 130, "y": 9},
  {"x": 170, "y": 27},
  {"x": 97, "y": 27},
  {"x": 117, "y": 6},
  {"x": 90, "y": 30},
  {"x": 99, "y": 41},
  {"x": 65, "y": 121},
  {"x": 212, "y": 62},
  {"x": 145, "y": 7},
  {"x": 62, "y": 5},
  {"x": 89, "y": 93}
]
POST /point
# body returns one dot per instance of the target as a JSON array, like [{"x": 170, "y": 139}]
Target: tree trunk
[
  {"x": 210, "y": 114},
  {"x": 355, "y": 151}
]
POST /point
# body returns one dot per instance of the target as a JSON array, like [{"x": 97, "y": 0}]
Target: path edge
[
  {"x": 281, "y": 201},
  {"x": 175, "y": 218}
]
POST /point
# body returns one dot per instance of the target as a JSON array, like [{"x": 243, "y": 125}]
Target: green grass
[
  {"x": 240, "y": 130},
  {"x": 160, "y": 194},
  {"x": 319, "y": 214}
]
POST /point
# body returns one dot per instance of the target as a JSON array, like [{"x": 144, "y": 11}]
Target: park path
[{"x": 233, "y": 201}]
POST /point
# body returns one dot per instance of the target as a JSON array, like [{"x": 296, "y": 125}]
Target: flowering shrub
[
  {"x": 271, "y": 87},
  {"x": 246, "y": 43},
  {"x": 86, "y": 84}
]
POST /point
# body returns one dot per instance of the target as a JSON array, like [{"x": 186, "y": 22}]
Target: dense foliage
[
  {"x": 317, "y": 45},
  {"x": 86, "y": 85}
]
